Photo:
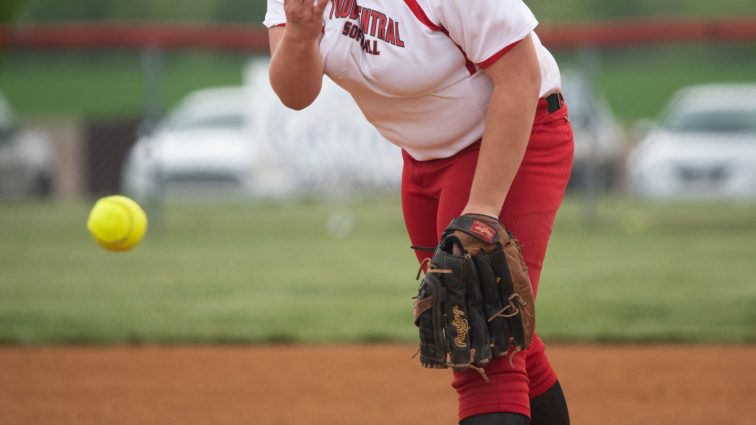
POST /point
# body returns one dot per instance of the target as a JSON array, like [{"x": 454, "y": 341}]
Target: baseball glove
[{"x": 475, "y": 302}]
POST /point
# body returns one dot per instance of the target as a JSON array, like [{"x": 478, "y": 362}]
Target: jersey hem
[
  {"x": 282, "y": 25},
  {"x": 274, "y": 24}
]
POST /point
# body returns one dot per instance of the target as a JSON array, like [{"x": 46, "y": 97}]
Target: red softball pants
[{"x": 436, "y": 191}]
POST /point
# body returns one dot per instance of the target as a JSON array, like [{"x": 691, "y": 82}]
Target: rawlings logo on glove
[
  {"x": 460, "y": 325},
  {"x": 484, "y": 231}
]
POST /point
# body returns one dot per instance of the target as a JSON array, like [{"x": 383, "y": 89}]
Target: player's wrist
[
  {"x": 301, "y": 36},
  {"x": 488, "y": 211},
  {"x": 486, "y": 218}
]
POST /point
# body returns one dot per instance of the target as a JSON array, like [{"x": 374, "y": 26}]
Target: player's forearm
[
  {"x": 509, "y": 123},
  {"x": 517, "y": 82},
  {"x": 296, "y": 71}
]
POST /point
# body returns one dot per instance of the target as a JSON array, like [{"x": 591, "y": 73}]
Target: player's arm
[
  {"x": 296, "y": 67},
  {"x": 517, "y": 81}
]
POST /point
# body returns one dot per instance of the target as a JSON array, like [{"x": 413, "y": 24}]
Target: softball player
[{"x": 468, "y": 92}]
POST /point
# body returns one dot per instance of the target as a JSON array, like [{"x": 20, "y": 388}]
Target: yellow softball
[{"x": 117, "y": 223}]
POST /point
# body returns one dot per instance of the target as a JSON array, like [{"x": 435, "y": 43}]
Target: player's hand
[
  {"x": 485, "y": 232},
  {"x": 304, "y": 18}
]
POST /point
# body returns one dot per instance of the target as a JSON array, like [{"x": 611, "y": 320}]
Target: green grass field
[
  {"x": 260, "y": 273},
  {"x": 243, "y": 272}
]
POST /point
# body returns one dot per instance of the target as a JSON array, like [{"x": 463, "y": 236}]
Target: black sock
[
  {"x": 550, "y": 408},
  {"x": 496, "y": 419}
]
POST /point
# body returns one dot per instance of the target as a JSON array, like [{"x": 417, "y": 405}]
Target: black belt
[{"x": 555, "y": 102}]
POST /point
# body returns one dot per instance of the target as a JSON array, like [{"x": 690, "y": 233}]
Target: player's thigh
[
  {"x": 419, "y": 210},
  {"x": 456, "y": 183},
  {"x": 537, "y": 191}
]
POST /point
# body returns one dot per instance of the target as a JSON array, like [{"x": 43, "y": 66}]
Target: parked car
[
  {"x": 242, "y": 141},
  {"x": 26, "y": 158},
  {"x": 201, "y": 148},
  {"x": 600, "y": 141},
  {"x": 704, "y": 146}
]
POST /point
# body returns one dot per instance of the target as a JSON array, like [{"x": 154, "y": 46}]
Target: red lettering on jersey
[
  {"x": 354, "y": 32},
  {"x": 371, "y": 48},
  {"x": 374, "y": 22},
  {"x": 346, "y": 8},
  {"x": 390, "y": 32},
  {"x": 364, "y": 23},
  {"x": 382, "y": 27},
  {"x": 399, "y": 41},
  {"x": 365, "y": 18}
]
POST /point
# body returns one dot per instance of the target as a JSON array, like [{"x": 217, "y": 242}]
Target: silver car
[
  {"x": 26, "y": 158},
  {"x": 703, "y": 147},
  {"x": 200, "y": 149}
]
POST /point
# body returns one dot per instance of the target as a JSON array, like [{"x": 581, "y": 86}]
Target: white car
[
  {"x": 201, "y": 148},
  {"x": 242, "y": 141},
  {"x": 26, "y": 159},
  {"x": 704, "y": 146}
]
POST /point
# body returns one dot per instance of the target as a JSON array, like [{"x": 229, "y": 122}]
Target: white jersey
[{"x": 414, "y": 66}]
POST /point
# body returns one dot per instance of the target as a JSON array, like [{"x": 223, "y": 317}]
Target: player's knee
[{"x": 496, "y": 419}]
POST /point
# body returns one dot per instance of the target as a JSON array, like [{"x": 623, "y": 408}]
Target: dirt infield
[{"x": 348, "y": 385}]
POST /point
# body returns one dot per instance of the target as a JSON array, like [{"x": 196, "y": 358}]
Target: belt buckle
[{"x": 555, "y": 102}]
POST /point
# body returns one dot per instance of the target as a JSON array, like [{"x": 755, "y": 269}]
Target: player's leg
[
  {"x": 422, "y": 187},
  {"x": 425, "y": 187},
  {"x": 550, "y": 408},
  {"x": 507, "y": 390},
  {"x": 529, "y": 212},
  {"x": 419, "y": 208}
]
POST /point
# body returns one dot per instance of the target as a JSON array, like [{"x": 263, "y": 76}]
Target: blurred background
[{"x": 272, "y": 226}]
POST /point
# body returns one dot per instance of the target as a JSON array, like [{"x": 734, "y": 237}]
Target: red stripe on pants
[{"x": 436, "y": 191}]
